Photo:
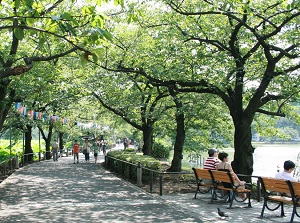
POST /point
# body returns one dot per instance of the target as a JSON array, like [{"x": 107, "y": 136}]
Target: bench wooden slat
[
  {"x": 289, "y": 192},
  {"x": 203, "y": 174},
  {"x": 296, "y": 188},
  {"x": 203, "y": 177},
  {"x": 277, "y": 185},
  {"x": 220, "y": 177},
  {"x": 280, "y": 199}
]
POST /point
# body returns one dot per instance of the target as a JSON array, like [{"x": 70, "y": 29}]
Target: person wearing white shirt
[{"x": 286, "y": 174}]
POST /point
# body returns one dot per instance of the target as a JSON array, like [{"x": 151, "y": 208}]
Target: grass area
[{"x": 17, "y": 148}]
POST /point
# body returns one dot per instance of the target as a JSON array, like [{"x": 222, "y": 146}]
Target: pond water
[{"x": 268, "y": 158}]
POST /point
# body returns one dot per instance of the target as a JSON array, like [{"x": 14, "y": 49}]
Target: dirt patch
[
  {"x": 172, "y": 183},
  {"x": 172, "y": 186}
]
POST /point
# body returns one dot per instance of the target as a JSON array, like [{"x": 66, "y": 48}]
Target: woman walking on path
[
  {"x": 95, "y": 147},
  {"x": 86, "y": 148},
  {"x": 54, "y": 151}
]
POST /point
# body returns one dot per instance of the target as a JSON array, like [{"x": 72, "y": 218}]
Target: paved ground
[{"x": 65, "y": 192}]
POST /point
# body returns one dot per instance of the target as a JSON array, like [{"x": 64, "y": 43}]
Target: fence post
[
  {"x": 160, "y": 184},
  {"x": 151, "y": 181},
  {"x": 17, "y": 162},
  {"x": 139, "y": 174},
  {"x": 4, "y": 170}
]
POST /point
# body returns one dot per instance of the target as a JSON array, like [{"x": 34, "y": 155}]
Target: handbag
[{"x": 84, "y": 151}]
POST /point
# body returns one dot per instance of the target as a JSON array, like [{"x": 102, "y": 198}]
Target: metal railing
[
  {"x": 135, "y": 173},
  {"x": 10, "y": 165}
]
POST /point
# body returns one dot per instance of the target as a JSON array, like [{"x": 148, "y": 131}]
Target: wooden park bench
[
  {"x": 225, "y": 182},
  {"x": 203, "y": 181},
  {"x": 280, "y": 192}
]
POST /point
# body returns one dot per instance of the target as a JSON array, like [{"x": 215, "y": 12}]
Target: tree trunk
[
  {"x": 180, "y": 137},
  {"x": 28, "y": 148},
  {"x": 148, "y": 140},
  {"x": 243, "y": 151},
  {"x": 178, "y": 147},
  {"x": 5, "y": 100},
  {"x": 47, "y": 139}
]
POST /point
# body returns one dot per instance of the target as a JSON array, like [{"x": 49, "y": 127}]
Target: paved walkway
[{"x": 65, "y": 192}]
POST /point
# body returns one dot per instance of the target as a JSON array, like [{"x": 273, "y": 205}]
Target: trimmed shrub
[
  {"x": 131, "y": 150},
  {"x": 130, "y": 157},
  {"x": 160, "y": 151}
]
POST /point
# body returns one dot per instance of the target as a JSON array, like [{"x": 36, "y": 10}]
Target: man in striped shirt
[
  {"x": 211, "y": 161},
  {"x": 211, "y": 164}
]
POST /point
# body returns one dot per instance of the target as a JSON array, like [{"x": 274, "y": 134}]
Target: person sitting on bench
[{"x": 286, "y": 174}]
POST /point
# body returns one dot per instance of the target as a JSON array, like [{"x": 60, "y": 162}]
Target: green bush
[
  {"x": 130, "y": 157},
  {"x": 130, "y": 150},
  {"x": 160, "y": 151}
]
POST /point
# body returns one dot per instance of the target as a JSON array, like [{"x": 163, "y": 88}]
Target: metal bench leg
[
  {"x": 282, "y": 209},
  {"x": 213, "y": 195}
]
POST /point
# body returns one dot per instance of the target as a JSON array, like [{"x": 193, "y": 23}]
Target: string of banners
[{"x": 22, "y": 110}]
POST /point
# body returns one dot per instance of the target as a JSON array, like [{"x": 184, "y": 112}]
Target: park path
[{"x": 61, "y": 191}]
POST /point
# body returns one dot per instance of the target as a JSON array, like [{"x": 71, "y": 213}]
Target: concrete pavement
[{"x": 61, "y": 191}]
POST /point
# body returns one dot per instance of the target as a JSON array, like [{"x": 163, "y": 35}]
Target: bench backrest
[
  {"x": 222, "y": 176},
  {"x": 202, "y": 174},
  {"x": 273, "y": 184},
  {"x": 295, "y": 187}
]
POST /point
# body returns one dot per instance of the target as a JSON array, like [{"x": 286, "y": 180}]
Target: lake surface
[{"x": 268, "y": 157}]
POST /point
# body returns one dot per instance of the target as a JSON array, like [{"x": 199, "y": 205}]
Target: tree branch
[{"x": 270, "y": 113}]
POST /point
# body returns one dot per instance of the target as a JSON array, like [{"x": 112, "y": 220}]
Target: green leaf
[
  {"x": 29, "y": 3},
  {"x": 98, "y": 51},
  {"x": 17, "y": 4},
  {"x": 98, "y": 22},
  {"x": 29, "y": 21},
  {"x": 19, "y": 33},
  {"x": 119, "y": 2},
  {"x": 95, "y": 58},
  {"x": 66, "y": 16},
  {"x": 83, "y": 61},
  {"x": 71, "y": 29},
  {"x": 107, "y": 35}
]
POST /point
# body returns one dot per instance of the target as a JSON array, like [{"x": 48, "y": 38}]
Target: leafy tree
[
  {"x": 248, "y": 56},
  {"x": 35, "y": 31},
  {"x": 136, "y": 102}
]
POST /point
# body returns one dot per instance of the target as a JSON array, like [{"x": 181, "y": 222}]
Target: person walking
[
  {"x": 104, "y": 143},
  {"x": 55, "y": 150},
  {"x": 125, "y": 143},
  {"x": 86, "y": 149},
  {"x": 95, "y": 148},
  {"x": 76, "y": 151}
]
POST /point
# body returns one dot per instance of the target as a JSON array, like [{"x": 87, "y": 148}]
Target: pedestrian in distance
[
  {"x": 125, "y": 143},
  {"x": 95, "y": 148},
  {"x": 86, "y": 149},
  {"x": 104, "y": 144},
  {"x": 76, "y": 151},
  {"x": 55, "y": 150}
]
